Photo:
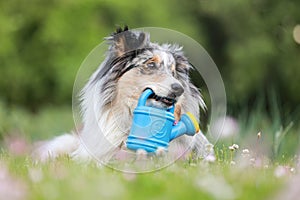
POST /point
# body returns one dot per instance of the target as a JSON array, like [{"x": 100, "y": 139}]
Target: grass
[
  {"x": 65, "y": 179},
  {"x": 235, "y": 174}
]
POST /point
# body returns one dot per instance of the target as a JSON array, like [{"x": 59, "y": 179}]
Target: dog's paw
[
  {"x": 160, "y": 151},
  {"x": 42, "y": 152},
  {"x": 141, "y": 154},
  {"x": 49, "y": 150}
]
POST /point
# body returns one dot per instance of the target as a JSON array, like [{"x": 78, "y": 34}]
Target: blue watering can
[{"x": 154, "y": 128}]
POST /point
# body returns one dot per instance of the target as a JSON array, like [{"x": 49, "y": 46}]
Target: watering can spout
[{"x": 187, "y": 125}]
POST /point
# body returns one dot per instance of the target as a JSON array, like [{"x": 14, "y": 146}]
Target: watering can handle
[
  {"x": 145, "y": 95},
  {"x": 143, "y": 98}
]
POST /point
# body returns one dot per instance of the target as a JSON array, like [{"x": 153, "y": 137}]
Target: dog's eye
[{"x": 151, "y": 64}]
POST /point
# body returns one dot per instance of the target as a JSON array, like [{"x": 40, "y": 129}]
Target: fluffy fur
[{"x": 132, "y": 64}]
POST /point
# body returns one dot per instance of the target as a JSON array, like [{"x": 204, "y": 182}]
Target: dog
[{"x": 132, "y": 64}]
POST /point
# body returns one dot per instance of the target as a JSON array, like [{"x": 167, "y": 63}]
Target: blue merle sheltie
[{"x": 132, "y": 64}]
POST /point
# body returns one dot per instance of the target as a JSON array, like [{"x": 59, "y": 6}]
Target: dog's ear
[{"x": 124, "y": 40}]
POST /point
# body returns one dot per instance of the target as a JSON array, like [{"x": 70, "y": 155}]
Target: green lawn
[
  {"x": 64, "y": 179},
  {"x": 235, "y": 174}
]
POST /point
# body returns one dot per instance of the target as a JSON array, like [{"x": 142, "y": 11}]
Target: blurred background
[{"x": 254, "y": 43}]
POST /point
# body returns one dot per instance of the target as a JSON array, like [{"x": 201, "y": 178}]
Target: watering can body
[{"x": 154, "y": 128}]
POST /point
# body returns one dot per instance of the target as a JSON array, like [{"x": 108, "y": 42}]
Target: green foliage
[
  {"x": 259, "y": 48},
  {"x": 44, "y": 42}
]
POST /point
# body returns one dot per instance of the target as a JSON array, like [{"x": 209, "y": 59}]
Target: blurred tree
[
  {"x": 252, "y": 43},
  {"x": 42, "y": 43}
]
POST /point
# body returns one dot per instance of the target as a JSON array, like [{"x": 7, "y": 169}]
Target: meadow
[
  {"x": 255, "y": 45},
  {"x": 251, "y": 169}
]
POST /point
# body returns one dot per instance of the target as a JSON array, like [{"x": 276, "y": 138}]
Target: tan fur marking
[
  {"x": 155, "y": 58},
  {"x": 173, "y": 68},
  {"x": 177, "y": 112},
  {"x": 120, "y": 46}
]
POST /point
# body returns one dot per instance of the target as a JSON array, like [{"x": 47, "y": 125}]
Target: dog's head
[{"x": 134, "y": 63}]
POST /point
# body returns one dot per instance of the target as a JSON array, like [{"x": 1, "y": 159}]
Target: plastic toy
[{"x": 154, "y": 128}]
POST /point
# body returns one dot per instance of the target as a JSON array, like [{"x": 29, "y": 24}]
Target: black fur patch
[
  {"x": 125, "y": 40},
  {"x": 120, "y": 30}
]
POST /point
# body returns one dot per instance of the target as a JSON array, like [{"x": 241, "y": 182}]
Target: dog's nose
[{"x": 177, "y": 89}]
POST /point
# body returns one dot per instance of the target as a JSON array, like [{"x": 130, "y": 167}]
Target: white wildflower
[
  {"x": 293, "y": 170},
  {"x": 233, "y": 147},
  {"x": 232, "y": 162},
  {"x": 259, "y": 135},
  {"x": 245, "y": 151}
]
